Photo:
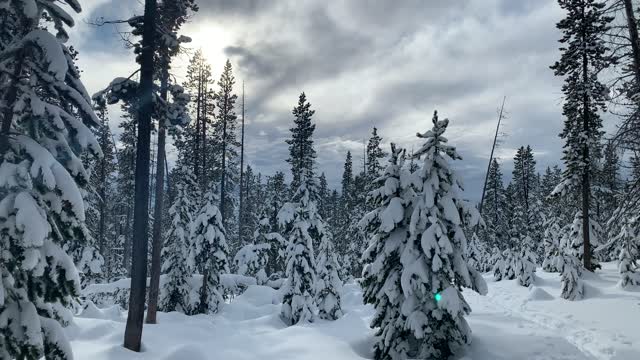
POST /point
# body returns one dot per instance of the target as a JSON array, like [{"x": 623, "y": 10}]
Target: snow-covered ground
[{"x": 511, "y": 322}]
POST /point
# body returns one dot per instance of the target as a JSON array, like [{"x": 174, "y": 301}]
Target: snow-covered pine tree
[
  {"x": 226, "y": 129},
  {"x": 493, "y": 210},
  {"x": 276, "y": 193},
  {"x": 197, "y": 146},
  {"x": 209, "y": 252},
  {"x": 552, "y": 235},
  {"x": 328, "y": 283},
  {"x": 508, "y": 266},
  {"x": 46, "y": 126},
  {"x": 526, "y": 263},
  {"x": 576, "y": 236},
  {"x": 253, "y": 259},
  {"x": 301, "y": 152},
  {"x": 570, "y": 270},
  {"x": 434, "y": 264},
  {"x": 323, "y": 197},
  {"x": 345, "y": 213},
  {"x": 387, "y": 226},
  {"x": 584, "y": 57},
  {"x": 175, "y": 290},
  {"x": 498, "y": 264},
  {"x": 298, "y": 304},
  {"x": 100, "y": 219},
  {"x": 474, "y": 256},
  {"x": 629, "y": 253},
  {"x": 527, "y": 219},
  {"x": 374, "y": 155}
]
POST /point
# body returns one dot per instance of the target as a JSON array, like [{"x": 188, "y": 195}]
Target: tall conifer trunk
[
  {"x": 154, "y": 285},
  {"x": 135, "y": 318}
]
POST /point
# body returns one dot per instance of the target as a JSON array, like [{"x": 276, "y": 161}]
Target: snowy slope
[{"x": 511, "y": 322}]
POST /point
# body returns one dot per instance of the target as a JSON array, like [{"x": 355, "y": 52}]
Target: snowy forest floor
[{"x": 511, "y": 322}]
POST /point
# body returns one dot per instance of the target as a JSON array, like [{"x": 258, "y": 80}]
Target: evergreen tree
[
  {"x": 387, "y": 225},
  {"x": 101, "y": 201},
  {"x": 374, "y": 155},
  {"x": 125, "y": 181},
  {"x": 298, "y": 304},
  {"x": 226, "y": 128},
  {"x": 345, "y": 213},
  {"x": 576, "y": 236},
  {"x": 526, "y": 263},
  {"x": 209, "y": 252},
  {"x": 474, "y": 256},
  {"x": 276, "y": 193},
  {"x": 494, "y": 212},
  {"x": 175, "y": 292},
  {"x": 328, "y": 283},
  {"x": 323, "y": 196},
  {"x": 583, "y": 58},
  {"x": 499, "y": 264},
  {"x": 629, "y": 253},
  {"x": 552, "y": 235},
  {"x": 256, "y": 259},
  {"x": 301, "y": 152},
  {"x": 525, "y": 196},
  {"x": 570, "y": 272},
  {"x": 46, "y": 129},
  {"x": 434, "y": 263},
  {"x": 198, "y": 147}
]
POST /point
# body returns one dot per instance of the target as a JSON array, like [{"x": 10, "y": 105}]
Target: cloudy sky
[{"x": 387, "y": 64}]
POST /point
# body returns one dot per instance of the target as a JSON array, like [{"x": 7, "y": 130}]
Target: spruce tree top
[{"x": 302, "y": 155}]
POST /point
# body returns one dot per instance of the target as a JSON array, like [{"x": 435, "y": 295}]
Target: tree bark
[
  {"x": 154, "y": 285},
  {"x": 632, "y": 24},
  {"x": 135, "y": 318}
]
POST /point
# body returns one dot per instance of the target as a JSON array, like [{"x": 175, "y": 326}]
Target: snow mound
[
  {"x": 538, "y": 294},
  {"x": 258, "y": 295},
  {"x": 91, "y": 311},
  {"x": 256, "y": 302},
  {"x": 190, "y": 352}
]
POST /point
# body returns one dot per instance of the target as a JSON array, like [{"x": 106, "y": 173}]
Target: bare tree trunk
[
  {"x": 135, "y": 318},
  {"x": 202, "y": 309},
  {"x": 154, "y": 285}
]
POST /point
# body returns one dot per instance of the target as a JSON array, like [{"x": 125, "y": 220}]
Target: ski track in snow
[{"x": 510, "y": 323}]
